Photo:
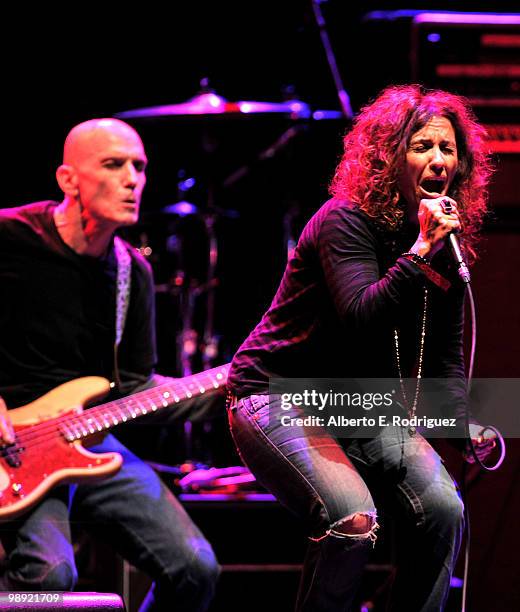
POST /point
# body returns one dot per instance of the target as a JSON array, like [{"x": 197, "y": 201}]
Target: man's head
[{"x": 103, "y": 171}]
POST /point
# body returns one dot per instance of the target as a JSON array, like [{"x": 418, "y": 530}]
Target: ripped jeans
[{"x": 331, "y": 485}]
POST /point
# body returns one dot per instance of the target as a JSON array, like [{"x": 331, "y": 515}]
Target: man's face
[
  {"x": 110, "y": 171},
  {"x": 431, "y": 163}
]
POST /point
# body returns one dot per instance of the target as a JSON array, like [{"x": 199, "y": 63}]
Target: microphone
[{"x": 462, "y": 268}]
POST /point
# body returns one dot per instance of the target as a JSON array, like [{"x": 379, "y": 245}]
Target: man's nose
[{"x": 130, "y": 175}]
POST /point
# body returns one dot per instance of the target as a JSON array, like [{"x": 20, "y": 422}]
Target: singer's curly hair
[{"x": 375, "y": 152}]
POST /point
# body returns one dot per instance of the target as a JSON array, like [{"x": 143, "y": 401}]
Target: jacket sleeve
[{"x": 347, "y": 250}]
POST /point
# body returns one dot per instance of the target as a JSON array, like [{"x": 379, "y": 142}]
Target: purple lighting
[
  {"x": 183, "y": 209},
  {"x": 469, "y": 18},
  {"x": 299, "y": 110},
  {"x": 434, "y": 37}
]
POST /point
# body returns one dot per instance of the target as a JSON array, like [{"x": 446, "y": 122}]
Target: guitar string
[{"x": 46, "y": 430}]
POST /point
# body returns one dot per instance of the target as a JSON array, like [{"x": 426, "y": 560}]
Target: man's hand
[
  {"x": 7, "y": 435},
  {"x": 483, "y": 441}
]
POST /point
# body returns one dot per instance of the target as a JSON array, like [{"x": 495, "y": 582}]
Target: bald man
[{"x": 58, "y": 280}]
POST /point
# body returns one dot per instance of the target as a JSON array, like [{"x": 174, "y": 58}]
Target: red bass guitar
[{"x": 50, "y": 433}]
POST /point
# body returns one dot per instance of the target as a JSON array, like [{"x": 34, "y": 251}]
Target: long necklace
[{"x": 413, "y": 408}]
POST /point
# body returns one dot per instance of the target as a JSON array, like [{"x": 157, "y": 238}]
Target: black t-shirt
[{"x": 57, "y": 310}]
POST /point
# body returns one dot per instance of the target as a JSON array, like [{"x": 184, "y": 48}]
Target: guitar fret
[
  {"x": 127, "y": 407},
  {"x": 77, "y": 430},
  {"x": 106, "y": 420},
  {"x": 163, "y": 397},
  {"x": 90, "y": 426},
  {"x": 69, "y": 436},
  {"x": 73, "y": 429},
  {"x": 124, "y": 418},
  {"x": 213, "y": 382},
  {"x": 95, "y": 424},
  {"x": 187, "y": 392},
  {"x": 153, "y": 406},
  {"x": 200, "y": 384},
  {"x": 139, "y": 409}
]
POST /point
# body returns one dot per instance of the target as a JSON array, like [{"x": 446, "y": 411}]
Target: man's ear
[{"x": 67, "y": 180}]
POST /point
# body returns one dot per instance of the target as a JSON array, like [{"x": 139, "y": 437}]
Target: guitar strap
[{"x": 124, "y": 282}]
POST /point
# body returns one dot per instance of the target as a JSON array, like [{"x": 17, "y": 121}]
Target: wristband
[
  {"x": 416, "y": 258},
  {"x": 429, "y": 272}
]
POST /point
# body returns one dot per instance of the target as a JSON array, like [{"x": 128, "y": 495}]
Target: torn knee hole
[{"x": 357, "y": 524}]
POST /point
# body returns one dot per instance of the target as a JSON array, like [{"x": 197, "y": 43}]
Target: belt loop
[{"x": 231, "y": 401}]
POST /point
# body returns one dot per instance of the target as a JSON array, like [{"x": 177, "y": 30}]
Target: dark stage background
[{"x": 98, "y": 62}]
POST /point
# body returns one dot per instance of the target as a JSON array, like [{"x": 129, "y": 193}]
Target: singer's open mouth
[{"x": 433, "y": 187}]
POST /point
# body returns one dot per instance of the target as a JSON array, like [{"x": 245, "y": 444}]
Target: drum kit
[{"x": 194, "y": 349}]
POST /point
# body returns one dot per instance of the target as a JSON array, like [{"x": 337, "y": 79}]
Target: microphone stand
[{"x": 343, "y": 96}]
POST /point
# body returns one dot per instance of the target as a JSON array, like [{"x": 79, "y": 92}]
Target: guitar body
[{"x": 44, "y": 455}]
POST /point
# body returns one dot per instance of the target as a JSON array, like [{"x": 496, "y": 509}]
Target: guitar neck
[{"x": 105, "y": 416}]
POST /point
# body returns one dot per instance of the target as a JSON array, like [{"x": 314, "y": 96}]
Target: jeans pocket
[{"x": 253, "y": 404}]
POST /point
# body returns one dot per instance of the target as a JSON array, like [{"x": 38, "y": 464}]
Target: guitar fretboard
[{"x": 106, "y": 416}]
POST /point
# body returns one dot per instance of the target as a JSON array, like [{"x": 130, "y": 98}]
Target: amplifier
[
  {"x": 474, "y": 54},
  {"x": 504, "y": 143}
]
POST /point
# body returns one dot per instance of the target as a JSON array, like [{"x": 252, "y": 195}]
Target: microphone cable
[{"x": 471, "y": 446}]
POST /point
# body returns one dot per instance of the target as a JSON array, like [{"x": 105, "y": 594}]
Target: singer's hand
[
  {"x": 6, "y": 427},
  {"x": 483, "y": 441},
  {"x": 434, "y": 225}
]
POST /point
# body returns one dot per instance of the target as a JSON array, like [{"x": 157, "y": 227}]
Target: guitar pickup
[{"x": 10, "y": 452}]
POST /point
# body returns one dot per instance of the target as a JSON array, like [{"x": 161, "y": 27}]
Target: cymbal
[{"x": 209, "y": 104}]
